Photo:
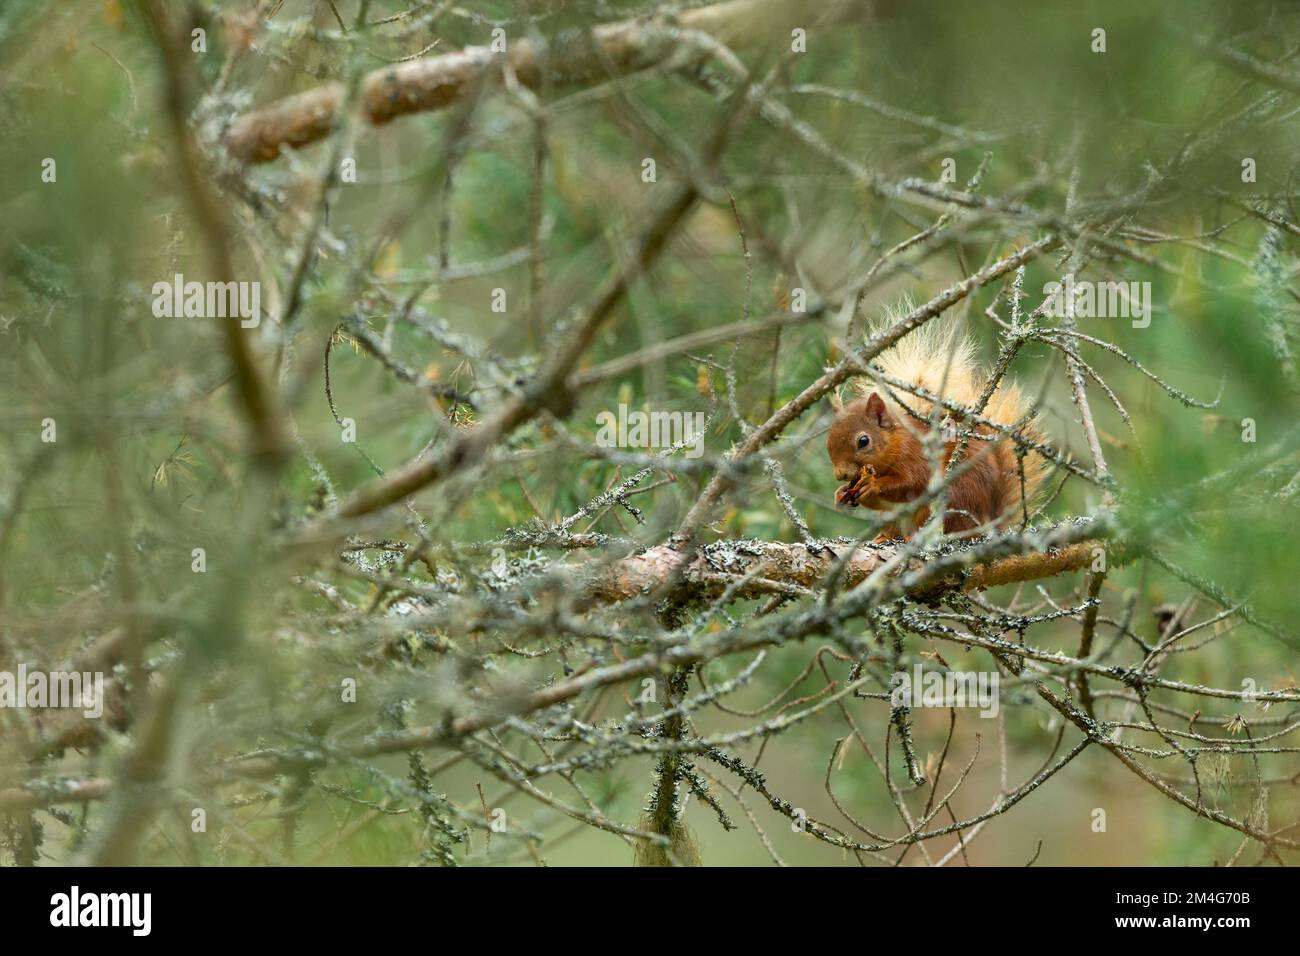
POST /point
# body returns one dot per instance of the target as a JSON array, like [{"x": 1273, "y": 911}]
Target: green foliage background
[{"x": 98, "y": 530}]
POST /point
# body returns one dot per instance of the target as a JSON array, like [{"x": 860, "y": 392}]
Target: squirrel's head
[{"x": 858, "y": 435}]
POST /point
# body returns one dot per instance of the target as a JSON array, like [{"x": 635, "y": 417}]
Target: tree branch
[
  {"x": 437, "y": 82},
  {"x": 788, "y": 568}
]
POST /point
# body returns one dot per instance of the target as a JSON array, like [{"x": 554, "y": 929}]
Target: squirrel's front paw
[{"x": 863, "y": 486}]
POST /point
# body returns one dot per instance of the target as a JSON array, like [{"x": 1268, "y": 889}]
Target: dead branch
[
  {"x": 436, "y": 82},
  {"x": 791, "y": 568}
]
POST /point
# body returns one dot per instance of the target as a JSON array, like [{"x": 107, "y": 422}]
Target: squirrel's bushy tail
[{"x": 944, "y": 361}]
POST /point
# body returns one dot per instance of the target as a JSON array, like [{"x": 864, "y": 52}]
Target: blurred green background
[{"x": 150, "y": 456}]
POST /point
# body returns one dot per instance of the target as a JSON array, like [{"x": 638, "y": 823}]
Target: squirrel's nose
[{"x": 844, "y": 474}]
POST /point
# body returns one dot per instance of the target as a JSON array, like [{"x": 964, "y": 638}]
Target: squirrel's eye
[{"x": 864, "y": 441}]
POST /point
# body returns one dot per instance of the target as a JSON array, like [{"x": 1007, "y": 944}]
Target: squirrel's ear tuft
[
  {"x": 876, "y": 407},
  {"x": 836, "y": 400}
]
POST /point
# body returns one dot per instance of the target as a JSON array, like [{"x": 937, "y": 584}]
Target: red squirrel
[{"x": 876, "y": 446}]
